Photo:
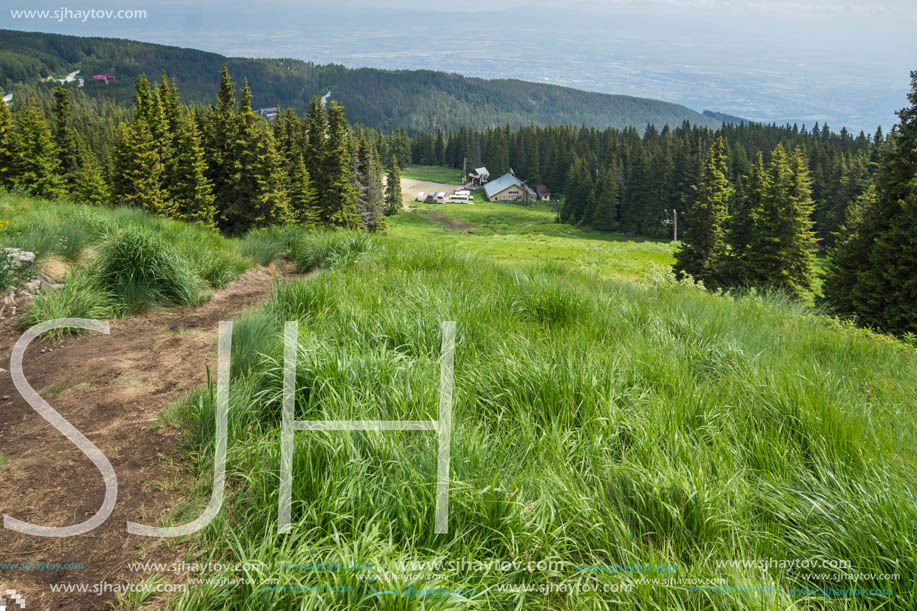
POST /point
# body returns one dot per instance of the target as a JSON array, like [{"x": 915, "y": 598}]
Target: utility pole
[
  {"x": 672, "y": 220},
  {"x": 464, "y": 170}
]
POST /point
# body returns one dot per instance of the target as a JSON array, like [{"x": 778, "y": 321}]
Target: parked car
[
  {"x": 440, "y": 198},
  {"x": 420, "y": 197}
]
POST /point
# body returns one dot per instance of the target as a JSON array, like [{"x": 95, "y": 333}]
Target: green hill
[
  {"x": 384, "y": 99},
  {"x": 725, "y": 118}
]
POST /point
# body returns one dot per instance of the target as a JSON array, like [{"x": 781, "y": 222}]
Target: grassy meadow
[
  {"x": 604, "y": 414},
  {"x": 433, "y": 173},
  {"x": 596, "y": 422},
  {"x": 511, "y": 233}
]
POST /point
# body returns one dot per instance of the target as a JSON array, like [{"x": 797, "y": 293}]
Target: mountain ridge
[{"x": 384, "y": 99}]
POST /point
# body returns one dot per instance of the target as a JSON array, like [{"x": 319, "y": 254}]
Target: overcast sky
[{"x": 839, "y": 61}]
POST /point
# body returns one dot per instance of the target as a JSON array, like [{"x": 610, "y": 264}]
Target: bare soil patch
[
  {"x": 450, "y": 223},
  {"x": 111, "y": 388},
  {"x": 411, "y": 187}
]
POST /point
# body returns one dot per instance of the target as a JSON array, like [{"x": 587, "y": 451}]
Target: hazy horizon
[{"x": 833, "y": 62}]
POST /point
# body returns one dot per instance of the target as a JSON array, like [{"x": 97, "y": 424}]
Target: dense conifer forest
[{"x": 222, "y": 166}]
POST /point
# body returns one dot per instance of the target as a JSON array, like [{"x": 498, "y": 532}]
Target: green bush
[{"x": 141, "y": 270}]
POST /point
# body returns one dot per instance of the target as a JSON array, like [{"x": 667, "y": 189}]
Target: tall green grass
[
  {"x": 80, "y": 297},
  {"x": 125, "y": 260},
  {"x": 142, "y": 270},
  {"x": 595, "y": 423},
  {"x": 308, "y": 250}
]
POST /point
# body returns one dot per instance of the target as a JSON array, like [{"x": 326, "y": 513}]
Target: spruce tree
[
  {"x": 257, "y": 194},
  {"x": 91, "y": 187},
  {"x": 218, "y": 139},
  {"x": 393, "y": 197},
  {"x": 744, "y": 219},
  {"x": 143, "y": 101},
  {"x": 304, "y": 207},
  {"x": 605, "y": 216},
  {"x": 851, "y": 250},
  {"x": 368, "y": 186},
  {"x": 289, "y": 137},
  {"x": 800, "y": 272},
  {"x": 188, "y": 185},
  {"x": 68, "y": 148},
  {"x": 317, "y": 136},
  {"x": 339, "y": 205},
  {"x": 37, "y": 164},
  {"x": 9, "y": 149},
  {"x": 138, "y": 171},
  {"x": 578, "y": 195},
  {"x": 764, "y": 256},
  {"x": 170, "y": 103},
  {"x": 856, "y": 177},
  {"x": 704, "y": 251},
  {"x": 163, "y": 137},
  {"x": 637, "y": 191},
  {"x": 886, "y": 290},
  {"x": 782, "y": 254}
]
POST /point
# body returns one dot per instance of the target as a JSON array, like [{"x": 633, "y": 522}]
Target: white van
[
  {"x": 420, "y": 197},
  {"x": 440, "y": 198}
]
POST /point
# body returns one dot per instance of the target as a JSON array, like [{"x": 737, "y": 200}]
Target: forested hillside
[
  {"x": 622, "y": 180},
  {"x": 413, "y": 99}
]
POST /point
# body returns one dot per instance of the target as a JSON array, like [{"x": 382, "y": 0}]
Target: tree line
[
  {"x": 755, "y": 201},
  {"x": 762, "y": 234},
  {"x": 625, "y": 180},
  {"x": 222, "y": 166}
]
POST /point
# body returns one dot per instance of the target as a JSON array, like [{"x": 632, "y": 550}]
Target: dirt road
[{"x": 111, "y": 388}]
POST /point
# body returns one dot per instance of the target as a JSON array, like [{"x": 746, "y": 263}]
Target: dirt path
[
  {"x": 450, "y": 223},
  {"x": 110, "y": 388}
]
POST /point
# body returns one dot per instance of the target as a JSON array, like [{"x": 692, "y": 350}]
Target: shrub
[{"x": 142, "y": 270}]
